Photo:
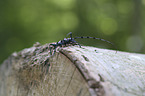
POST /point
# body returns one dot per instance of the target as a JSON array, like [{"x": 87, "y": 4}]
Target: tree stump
[{"x": 72, "y": 71}]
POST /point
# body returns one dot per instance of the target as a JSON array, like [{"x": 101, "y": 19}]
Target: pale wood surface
[
  {"x": 74, "y": 71},
  {"x": 120, "y": 74}
]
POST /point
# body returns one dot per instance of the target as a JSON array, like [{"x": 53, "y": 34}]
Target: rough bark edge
[{"x": 95, "y": 87}]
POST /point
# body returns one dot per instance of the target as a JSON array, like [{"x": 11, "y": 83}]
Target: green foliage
[{"x": 24, "y": 22}]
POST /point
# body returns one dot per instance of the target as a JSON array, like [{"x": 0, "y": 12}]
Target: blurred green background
[{"x": 24, "y": 22}]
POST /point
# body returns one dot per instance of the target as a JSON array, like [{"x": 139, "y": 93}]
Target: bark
[{"x": 72, "y": 71}]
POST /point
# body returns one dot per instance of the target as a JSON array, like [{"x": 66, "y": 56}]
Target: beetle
[{"x": 71, "y": 41}]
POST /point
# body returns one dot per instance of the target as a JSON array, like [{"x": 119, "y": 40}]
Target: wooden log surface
[{"x": 72, "y": 71}]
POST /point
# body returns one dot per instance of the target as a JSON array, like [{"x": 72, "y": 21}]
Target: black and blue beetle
[{"x": 71, "y": 41}]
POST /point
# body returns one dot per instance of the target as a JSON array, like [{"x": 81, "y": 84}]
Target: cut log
[{"x": 72, "y": 71}]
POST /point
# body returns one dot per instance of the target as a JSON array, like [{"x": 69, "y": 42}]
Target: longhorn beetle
[{"x": 71, "y": 41}]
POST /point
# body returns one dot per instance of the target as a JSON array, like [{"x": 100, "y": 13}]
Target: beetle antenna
[{"x": 84, "y": 37}]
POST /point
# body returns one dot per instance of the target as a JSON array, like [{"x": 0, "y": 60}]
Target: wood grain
[{"x": 72, "y": 71}]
